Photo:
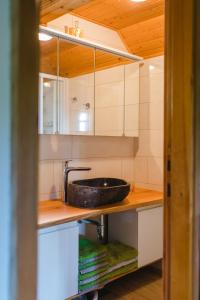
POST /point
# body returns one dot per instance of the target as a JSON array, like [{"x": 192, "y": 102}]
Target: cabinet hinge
[
  {"x": 168, "y": 190},
  {"x": 168, "y": 165}
]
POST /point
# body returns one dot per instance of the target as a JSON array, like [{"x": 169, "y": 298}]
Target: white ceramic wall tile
[
  {"x": 132, "y": 91},
  {"x": 58, "y": 175},
  {"x": 46, "y": 177},
  {"x": 149, "y": 146},
  {"x": 144, "y": 89},
  {"x": 141, "y": 170},
  {"x": 152, "y": 66},
  {"x": 132, "y": 70},
  {"x": 144, "y": 116},
  {"x": 109, "y": 94},
  {"x": 107, "y": 168},
  {"x": 142, "y": 146},
  {"x": 156, "y": 143},
  {"x": 131, "y": 118},
  {"x": 109, "y": 75},
  {"x": 101, "y": 147},
  {"x": 155, "y": 171},
  {"x": 156, "y": 113},
  {"x": 157, "y": 87},
  {"x": 149, "y": 186},
  {"x": 109, "y": 121},
  {"x": 128, "y": 169},
  {"x": 55, "y": 147}
]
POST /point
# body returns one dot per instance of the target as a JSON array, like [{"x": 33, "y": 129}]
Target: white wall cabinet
[
  {"x": 94, "y": 94},
  {"x": 142, "y": 229},
  {"x": 58, "y": 262}
]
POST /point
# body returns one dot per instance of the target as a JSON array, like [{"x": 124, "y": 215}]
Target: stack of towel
[{"x": 99, "y": 264}]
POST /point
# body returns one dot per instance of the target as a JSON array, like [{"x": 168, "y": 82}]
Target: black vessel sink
[{"x": 97, "y": 191}]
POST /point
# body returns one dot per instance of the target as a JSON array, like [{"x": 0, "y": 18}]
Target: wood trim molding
[
  {"x": 19, "y": 137},
  {"x": 179, "y": 179},
  {"x": 196, "y": 65}
]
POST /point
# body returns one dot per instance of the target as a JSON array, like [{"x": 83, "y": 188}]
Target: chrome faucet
[{"x": 68, "y": 169}]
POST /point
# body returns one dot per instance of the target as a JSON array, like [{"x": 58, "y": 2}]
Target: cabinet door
[
  {"x": 150, "y": 235},
  {"x": 132, "y": 98},
  {"x": 58, "y": 262}
]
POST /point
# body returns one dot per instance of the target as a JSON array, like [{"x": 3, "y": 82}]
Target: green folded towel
[
  {"x": 118, "y": 253},
  {"x": 121, "y": 259},
  {"x": 90, "y": 251},
  {"x": 108, "y": 277},
  {"x": 84, "y": 266},
  {"x": 92, "y": 276},
  {"x": 94, "y": 267}
]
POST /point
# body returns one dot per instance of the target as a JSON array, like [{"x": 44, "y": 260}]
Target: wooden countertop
[{"x": 54, "y": 212}]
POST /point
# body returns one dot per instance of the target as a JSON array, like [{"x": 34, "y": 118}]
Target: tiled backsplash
[
  {"x": 148, "y": 150},
  {"x": 51, "y": 173},
  {"x": 138, "y": 160}
]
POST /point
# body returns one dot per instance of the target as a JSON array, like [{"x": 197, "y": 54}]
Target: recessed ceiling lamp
[
  {"x": 138, "y": 0},
  {"x": 44, "y": 37}
]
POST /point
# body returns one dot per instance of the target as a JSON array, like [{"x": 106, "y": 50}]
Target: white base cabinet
[
  {"x": 58, "y": 262},
  {"x": 150, "y": 235},
  {"x": 141, "y": 229}
]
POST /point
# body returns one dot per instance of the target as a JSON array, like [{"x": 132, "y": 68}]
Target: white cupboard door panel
[
  {"x": 150, "y": 235},
  {"x": 58, "y": 262}
]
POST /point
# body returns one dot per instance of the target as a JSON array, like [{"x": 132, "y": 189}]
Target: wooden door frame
[
  {"x": 19, "y": 153},
  {"x": 196, "y": 80},
  {"x": 182, "y": 150}
]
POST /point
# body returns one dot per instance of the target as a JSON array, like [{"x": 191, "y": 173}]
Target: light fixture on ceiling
[{"x": 44, "y": 37}]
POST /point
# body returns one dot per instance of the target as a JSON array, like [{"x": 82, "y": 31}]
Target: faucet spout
[{"x": 67, "y": 170}]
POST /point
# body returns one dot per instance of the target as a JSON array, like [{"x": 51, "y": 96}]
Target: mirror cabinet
[{"x": 86, "y": 91}]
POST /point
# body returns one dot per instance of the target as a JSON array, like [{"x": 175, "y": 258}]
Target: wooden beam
[
  {"x": 52, "y": 9},
  {"x": 179, "y": 176},
  {"x": 18, "y": 159}
]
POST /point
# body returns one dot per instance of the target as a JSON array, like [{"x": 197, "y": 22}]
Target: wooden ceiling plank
[{"x": 53, "y": 9}]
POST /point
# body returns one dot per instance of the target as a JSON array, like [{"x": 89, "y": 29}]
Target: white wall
[
  {"x": 138, "y": 160},
  {"x": 148, "y": 149},
  {"x": 92, "y": 31}
]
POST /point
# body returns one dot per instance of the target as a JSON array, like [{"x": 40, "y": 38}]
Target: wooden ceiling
[{"x": 140, "y": 25}]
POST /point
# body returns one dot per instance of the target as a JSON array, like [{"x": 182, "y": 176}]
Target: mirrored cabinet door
[
  {"x": 76, "y": 106},
  {"x": 48, "y": 86},
  {"x": 109, "y": 94},
  {"x": 131, "y": 99}
]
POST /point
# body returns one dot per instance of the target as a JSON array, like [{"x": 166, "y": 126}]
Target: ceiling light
[{"x": 44, "y": 37}]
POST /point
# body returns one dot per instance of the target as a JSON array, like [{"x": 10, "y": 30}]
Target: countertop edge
[{"x": 97, "y": 212}]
